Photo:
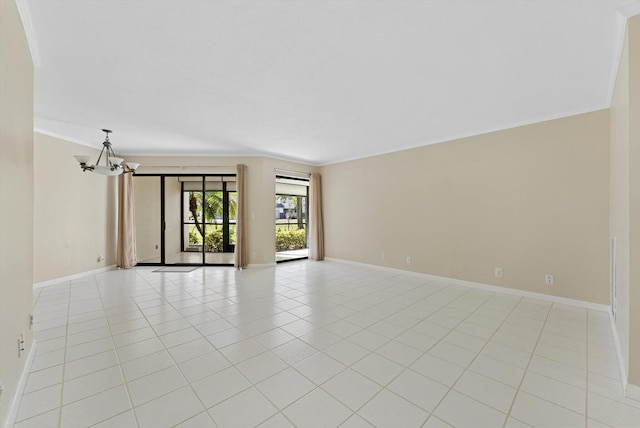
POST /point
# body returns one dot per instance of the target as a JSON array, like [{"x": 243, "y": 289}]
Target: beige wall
[
  {"x": 74, "y": 211},
  {"x": 625, "y": 198},
  {"x": 260, "y": 191},
  {"x": 147, "y": 209},
  {"x": 173, "y": 216},
  {"x": 531, "y": 200},
  {"x": 16, "y": 199},
  {"x": 634, "y": 203}
]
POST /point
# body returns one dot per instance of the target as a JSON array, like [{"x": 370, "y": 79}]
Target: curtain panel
[
  {"x": 126, "y": 243},
  {"x": 241, "y": 259},
  {"x": 316, "y": 227}
]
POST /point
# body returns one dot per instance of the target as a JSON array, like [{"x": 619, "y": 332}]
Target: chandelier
[{"x": 113, "y": 165}]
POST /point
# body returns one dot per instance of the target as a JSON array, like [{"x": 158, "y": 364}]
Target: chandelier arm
[
  {"x": 99, "y": 157},
  {"x": 110, "y": 154}
]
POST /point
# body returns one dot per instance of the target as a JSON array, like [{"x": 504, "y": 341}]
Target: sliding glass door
[
  {"x": 209, "y": 217},
  {"x": 195, "y": 219},
  {"x": 291, "y": 213}
]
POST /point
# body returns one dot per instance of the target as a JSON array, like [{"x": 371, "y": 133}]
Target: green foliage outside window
[
  {"x": 290, "y": 239},
  {"x": 213, "y": 239}
]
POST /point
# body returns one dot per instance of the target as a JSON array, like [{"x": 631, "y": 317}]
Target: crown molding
[
  {"x": 29, "y": 30},
  {"x": 623, "y": 16},
  {"x": 630, "y": 10}
]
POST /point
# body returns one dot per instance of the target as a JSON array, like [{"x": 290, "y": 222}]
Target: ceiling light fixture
[{"x": 113, "y": 165}]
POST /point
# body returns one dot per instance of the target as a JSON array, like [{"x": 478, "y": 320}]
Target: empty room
[{"x": 385, "y": 213}]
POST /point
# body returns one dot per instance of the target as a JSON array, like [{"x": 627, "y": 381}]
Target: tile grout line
[
  {"x": 316, "y": 387},
  {"x": 303, "y": 375},
  {"x": 64, "y": 363},
  {"x": 384, "y": 387},
  {"x": 526, "y": 369},
  {"x": 441, "y": 340},
  {"x": 529, "y": 363},
  {"x": 124, "y": 379},
  {"x": 451, "y": 388},
  {"x": 64, "y": 360},
  {"x": 165, "y": 349},
  {"x": 177, "y": 366}
]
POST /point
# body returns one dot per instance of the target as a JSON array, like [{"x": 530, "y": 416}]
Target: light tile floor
[
  {"x": 314, "y": 344},
  {"x": 191, "y": 257}
]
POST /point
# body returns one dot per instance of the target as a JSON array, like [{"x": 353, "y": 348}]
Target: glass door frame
[
  {"x": 306, "y": 214},
  {"x": 163, "y": 225}
]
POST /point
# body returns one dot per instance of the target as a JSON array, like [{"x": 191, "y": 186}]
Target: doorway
[
  {"x": 291, "y": 218},
  {"x": 185, "y": 219}
]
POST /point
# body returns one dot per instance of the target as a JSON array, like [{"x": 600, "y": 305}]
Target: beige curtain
[
  {"x": 316, "y": 228},
  {"x": 241, "y": 221},
  {"x": 126, "y": 254}
]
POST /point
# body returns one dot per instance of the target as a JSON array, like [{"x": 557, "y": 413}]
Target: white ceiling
[{"x": 313, "y": 81}]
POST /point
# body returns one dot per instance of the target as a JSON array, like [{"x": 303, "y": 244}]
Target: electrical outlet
[
  {"x": 408, "y": 259},
  {"x": 548, "y": 279},
  {"x": 384, "y": 256},
  {"x": 498, "y": 272}
]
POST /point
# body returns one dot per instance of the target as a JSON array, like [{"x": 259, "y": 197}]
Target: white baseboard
[
  {"x": 74, "y": 276},
  {"x": 487, "y": 287},
  {"x": 260, "y": 266},
  {"x": 22, "y": 382},
  {"x": 630, "y": 391},
  {"x": 616, "y": 342}
]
